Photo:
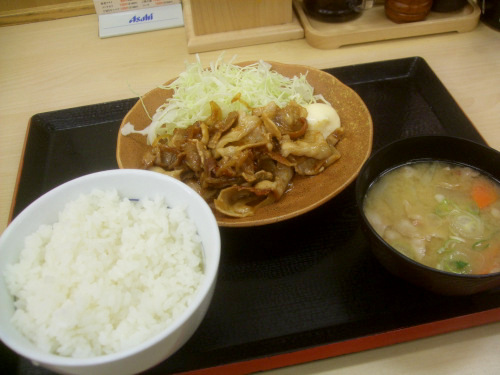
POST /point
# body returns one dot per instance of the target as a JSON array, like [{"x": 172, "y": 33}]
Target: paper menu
[{"x": 114, "y": 6}]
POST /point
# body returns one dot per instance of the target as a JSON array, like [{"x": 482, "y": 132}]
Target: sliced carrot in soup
[{"x": 484, "y": 194}]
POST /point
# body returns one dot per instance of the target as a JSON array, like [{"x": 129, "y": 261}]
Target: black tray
[{"x": 308, "y": 285}]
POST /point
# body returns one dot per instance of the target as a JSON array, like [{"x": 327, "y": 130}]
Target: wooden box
[{"x": 216, "y": 16}]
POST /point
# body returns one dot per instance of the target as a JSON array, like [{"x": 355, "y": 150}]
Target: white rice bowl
[{"x": 107, "y": 284}]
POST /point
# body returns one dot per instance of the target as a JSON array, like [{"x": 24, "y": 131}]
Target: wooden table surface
[{"x": 61, "y": 64}]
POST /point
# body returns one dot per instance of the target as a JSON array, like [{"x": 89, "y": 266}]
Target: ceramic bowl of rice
[{"x": 110, "y": 273}]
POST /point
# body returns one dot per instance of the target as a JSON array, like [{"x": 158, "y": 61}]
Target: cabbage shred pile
[{"x": 256, "y": 85}]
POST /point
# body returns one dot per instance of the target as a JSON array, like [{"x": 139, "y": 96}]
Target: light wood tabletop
[{"x": 60, "y": 64}]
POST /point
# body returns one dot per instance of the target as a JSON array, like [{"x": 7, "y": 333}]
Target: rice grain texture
[{"x": 110, "y": 274}]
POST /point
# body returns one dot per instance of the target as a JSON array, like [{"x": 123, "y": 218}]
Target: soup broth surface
[{"x": 446, "y": 216}]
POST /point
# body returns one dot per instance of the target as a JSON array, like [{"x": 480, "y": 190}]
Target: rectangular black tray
[{"x": 298, "y": 290}]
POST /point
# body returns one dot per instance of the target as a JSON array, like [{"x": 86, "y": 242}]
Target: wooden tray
[
  {"x": 238, "y": 38},
  {"x": 373, "y": 25},
  {"x": 300, "y": 290}
]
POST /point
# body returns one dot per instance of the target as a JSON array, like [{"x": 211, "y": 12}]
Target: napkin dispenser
[
  {"x": 216, "y": 16},
  {"x": 222, "y": 24}
]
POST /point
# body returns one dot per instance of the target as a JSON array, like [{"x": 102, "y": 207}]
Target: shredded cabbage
[{"x": 221, "y": 82}]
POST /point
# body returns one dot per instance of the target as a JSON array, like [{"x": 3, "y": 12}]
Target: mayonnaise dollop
[
  {"x": 128, "y": 128},
  {"x": 323, "y": 118}
]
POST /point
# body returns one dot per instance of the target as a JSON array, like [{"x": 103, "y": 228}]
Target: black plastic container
[
  {"x": 444, "y": 6},
  {"x": 333, "y": 11},
  {"x": 490, "y": 12}
]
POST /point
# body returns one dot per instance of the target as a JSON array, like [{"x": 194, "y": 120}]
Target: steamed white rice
[{"x": 110, "y": 274}]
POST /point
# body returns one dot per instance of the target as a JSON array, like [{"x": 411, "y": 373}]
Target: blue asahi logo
[{"x": 147, "y": 17}]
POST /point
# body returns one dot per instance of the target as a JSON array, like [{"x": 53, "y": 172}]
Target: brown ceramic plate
[{"x": 306, "y": 193}]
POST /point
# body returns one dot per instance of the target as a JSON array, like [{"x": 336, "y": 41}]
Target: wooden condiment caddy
[{"x": 373, "y": 25}]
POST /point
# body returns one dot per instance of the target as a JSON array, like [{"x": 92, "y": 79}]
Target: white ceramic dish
[{"x": 132, "y": 184}]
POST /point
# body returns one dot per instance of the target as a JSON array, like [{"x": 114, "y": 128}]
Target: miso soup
[{"x": 446, "y": 216}]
